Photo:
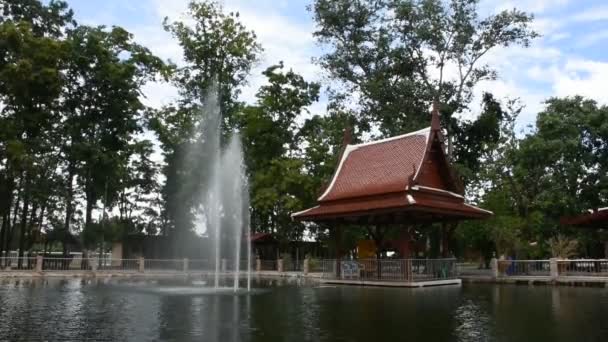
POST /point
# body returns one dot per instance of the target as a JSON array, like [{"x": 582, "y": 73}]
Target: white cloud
[
  {"x": 592, "y": 14},
  {"x": 534, "y": 6},
  {"x": 583, "y": 77},
  {"x": 593, "y": 37},
  {"x": 158, "y": 94},
  {"x": 558, "y": 36}
]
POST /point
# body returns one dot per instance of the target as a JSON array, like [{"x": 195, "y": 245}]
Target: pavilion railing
[
  {"x": 405, "y": 270},
  {"x": 316, "y": 265},
  {"x": 328, "y": 268},
  {"x": 524, "y": 268},
  {"x": 473, "y": 269}
]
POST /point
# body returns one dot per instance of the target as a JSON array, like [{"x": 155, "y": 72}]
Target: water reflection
[{"x": 291, "y": 310}]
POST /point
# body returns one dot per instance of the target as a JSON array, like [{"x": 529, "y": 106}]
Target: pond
[{"x": 278, "y": 310}]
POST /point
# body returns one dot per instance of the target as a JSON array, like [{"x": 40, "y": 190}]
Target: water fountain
[{"x": 225, "y": 202}]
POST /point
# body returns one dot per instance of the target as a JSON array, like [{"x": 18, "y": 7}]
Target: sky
[{"x": 571, "y": 57}]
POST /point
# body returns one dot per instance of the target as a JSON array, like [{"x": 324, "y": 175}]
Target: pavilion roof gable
[{"x": 378, "y": 167}]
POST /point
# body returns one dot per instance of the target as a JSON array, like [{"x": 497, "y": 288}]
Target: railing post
[
  {"x": 280, "y": 265},
  {"x": 306, "y": 266},
  {"x": 553, "y": 269},
  {"x": 494, "y": 266},
  {"x": 94, "y": 264},
  {"x": 39, "y": 261},
  {"x": 185, "y": 265},
  {"x": 258, "y": 264},
  {"x": 141, "y": 265}
]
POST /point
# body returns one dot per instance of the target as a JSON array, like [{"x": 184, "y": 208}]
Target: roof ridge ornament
[
  {"x": 411, "y": 181},
  {"x": 435, "y": 120}
]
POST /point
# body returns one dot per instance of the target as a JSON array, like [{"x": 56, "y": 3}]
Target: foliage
[
  {"x": 278, "y": 186},
  {"x": 218, "y": 54},
  {"x": 556, "y": 170},
  {"x": 563, "y": 247},
  {"x": 69, "y": 122},
  {"x": 393, "y": 58}
]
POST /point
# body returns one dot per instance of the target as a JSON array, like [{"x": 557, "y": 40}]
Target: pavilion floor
[{"x": 392, "y": 283}]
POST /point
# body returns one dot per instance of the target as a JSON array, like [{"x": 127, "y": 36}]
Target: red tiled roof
[
  {"x": 594, "y": 219},
  {"x": 412, "y": 202},
  {"x": 379, "y": 167},
  {"x": 374, "y": 178},
  {"x": 261, "y": 237}
]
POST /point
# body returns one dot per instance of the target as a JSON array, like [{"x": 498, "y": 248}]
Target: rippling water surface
[{"x": 184, "y": 310}]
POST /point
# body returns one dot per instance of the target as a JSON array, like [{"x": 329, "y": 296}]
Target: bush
[{"x": 563, "y": 247}]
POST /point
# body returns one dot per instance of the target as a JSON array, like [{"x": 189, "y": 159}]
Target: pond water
[{"x": 184, "y": 310}]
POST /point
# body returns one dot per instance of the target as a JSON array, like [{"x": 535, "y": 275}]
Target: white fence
[
  {"x": 524, "y": 267},
  {"x": 550, "y": 268},
  {"x": 407, "y": 270},
  {"x": 583, "y": 267}
]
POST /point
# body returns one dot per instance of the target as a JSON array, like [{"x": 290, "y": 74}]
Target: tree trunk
[
  {"x": 23, "y": 223},
  {"x": 68, "y": 208},
  {"x": 89, "y": 210},
  {"x": 6, "y": 196},
  {"x": 5, "y": 221},
  {"x": 11, "y": 228},
  {"x": 447, "y": 231},
  {"x": 31, "y": 226}
]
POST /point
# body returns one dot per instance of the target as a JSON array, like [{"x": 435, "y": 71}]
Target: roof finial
[
  {"x": 435, "y": 121},
  {"x": 410, "y": 180}
]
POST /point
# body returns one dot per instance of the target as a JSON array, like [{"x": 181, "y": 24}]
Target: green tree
[
  {"x": 555, "y": 170},
  {"x": 49, "y": 19},
  {"x": 218, "y": 55},
  {"x": 397, "y": 56},
  {"x": 30, "y": 84},
  {"x": 219, "y": 52},
  {"x": 102, "y": 111},
  {"x": 269, "y": 129}
]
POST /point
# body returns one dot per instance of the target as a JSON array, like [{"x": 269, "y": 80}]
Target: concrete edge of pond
[
  {"x": 536, "y": 280},
  {"x": 542, "y": 281},
  {"x": 147, "y": 274}
]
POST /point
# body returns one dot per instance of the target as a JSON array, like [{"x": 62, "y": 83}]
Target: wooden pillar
[
  {"x": 445, "y": 235},
  {"x": 406, "y": 248},
  {"x": 338, "y": 241}
]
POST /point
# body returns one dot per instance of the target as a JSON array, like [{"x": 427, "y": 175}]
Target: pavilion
[
  {"x": 400, "y": 181},
  {"x": 593, "y": 218}
]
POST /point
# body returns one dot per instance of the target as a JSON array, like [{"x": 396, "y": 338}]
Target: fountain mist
[{"x": 225, "y": 202}]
